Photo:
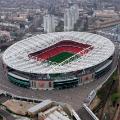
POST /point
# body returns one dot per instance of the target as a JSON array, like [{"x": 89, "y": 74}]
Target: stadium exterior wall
[{"x": 89, "y": 63}]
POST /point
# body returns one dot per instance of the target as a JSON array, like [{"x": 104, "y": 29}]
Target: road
[
  {"x": 3, "y": 98},
  {"x": 7, "y": 115}
]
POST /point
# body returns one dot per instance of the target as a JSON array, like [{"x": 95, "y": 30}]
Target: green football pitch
[{"x": 61, "y": 57}]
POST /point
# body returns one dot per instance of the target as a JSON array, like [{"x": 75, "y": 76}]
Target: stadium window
[
  {"x": 50, "y": 84},
  {"x": 87, "y": 78}
]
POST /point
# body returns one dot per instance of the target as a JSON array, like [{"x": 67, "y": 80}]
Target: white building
[
  {"x": 51, "y": 110},
  {"x": 49, "y": 23},
  {"x": 71, "y": 16}
]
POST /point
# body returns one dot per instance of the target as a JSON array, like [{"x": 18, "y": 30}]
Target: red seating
[{"x": 63, "y": 46}]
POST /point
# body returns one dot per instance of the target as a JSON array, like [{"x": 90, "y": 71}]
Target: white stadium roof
[{"x": 16, "y": 56}]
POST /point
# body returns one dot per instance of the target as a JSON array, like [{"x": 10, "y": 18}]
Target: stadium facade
[{"x": 58, "y": 60}]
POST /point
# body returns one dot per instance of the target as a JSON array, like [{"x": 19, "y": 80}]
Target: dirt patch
[
  {"x": 94, "y": 103},
  {"x": 18, "y": 107}
]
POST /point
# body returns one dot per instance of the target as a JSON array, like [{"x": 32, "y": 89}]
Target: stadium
[{"x": 58, "y": 60}]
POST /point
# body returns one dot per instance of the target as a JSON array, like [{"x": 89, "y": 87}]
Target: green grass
[
  {"x": 61, "y": 57},
  {"x": 115, "y": 96}
]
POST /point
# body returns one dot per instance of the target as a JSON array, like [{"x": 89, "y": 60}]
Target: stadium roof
[{"x": 16, "y": 56}]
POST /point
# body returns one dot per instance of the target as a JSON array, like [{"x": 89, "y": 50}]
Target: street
[{"x": 7, "y": 115}]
